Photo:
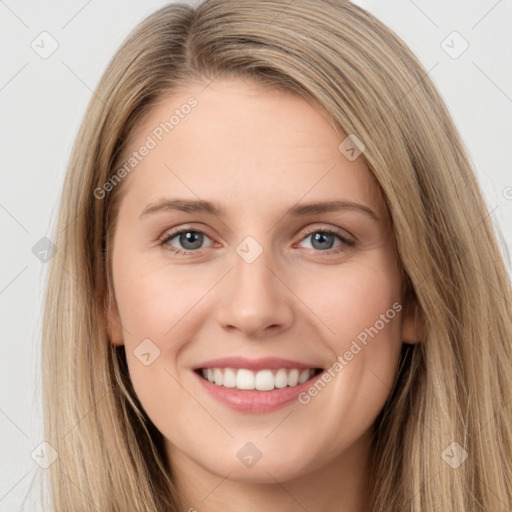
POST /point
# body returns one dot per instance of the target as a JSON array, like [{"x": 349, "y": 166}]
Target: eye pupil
[
  {"x": 190, "y": 240},
  {"x": 191, "y": 237},
  {"x": 321, "y": 237}
]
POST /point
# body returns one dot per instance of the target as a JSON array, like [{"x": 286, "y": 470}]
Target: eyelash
[{"x": 345, "y": 242}]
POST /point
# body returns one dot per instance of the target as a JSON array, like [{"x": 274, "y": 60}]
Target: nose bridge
[{"x": 256, "y": 298}]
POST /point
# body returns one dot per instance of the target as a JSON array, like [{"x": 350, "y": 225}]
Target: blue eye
[
  {"x": 192, "y": 240},
  {"x": 323, "y": 240}
]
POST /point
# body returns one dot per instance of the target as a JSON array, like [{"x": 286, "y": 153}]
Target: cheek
[
  {"x": 154, "y": 314},
  {"x": 360, "y": 310},
  {"x": 153, "y": 307},
  {"x": 355, "y": 302},
  {"x": 153, "y": 301}
]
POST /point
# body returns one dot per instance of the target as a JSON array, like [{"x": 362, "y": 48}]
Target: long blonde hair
[{"x": 455, "y": 386}]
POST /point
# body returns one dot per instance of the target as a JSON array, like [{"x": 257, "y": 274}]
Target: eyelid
[
  {"x": 343, "y": 233},
  {"x": 183, "y": 227},
  {"x": 313, "y": 228},
  {"x": 171, "y": 233},
  {"x": 346, "y": 241}
]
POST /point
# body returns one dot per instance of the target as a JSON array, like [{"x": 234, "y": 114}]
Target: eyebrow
[{"x": 202, "y": 206}]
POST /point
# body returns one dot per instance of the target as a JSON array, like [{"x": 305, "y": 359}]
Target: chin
[{"x": 268, "y": 469}]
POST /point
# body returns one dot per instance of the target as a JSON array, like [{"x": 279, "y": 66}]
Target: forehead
[{"x": 234, "y": 139}]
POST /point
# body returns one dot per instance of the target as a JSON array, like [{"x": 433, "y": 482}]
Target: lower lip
[{"x": 253, "y": 401}]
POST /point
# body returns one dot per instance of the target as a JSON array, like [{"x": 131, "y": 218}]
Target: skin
[{"x": 257, "y": 152}]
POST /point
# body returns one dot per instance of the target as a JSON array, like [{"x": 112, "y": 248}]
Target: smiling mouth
[{"x": 262, "y": 380}]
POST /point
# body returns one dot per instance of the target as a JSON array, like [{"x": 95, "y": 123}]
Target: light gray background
[{"x": 42, "y": 102}]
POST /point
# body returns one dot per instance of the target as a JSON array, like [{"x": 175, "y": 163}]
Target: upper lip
[{"x": 263, "y": 363}]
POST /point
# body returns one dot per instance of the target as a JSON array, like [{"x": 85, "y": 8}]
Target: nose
[{"x": 255, "y": 300}]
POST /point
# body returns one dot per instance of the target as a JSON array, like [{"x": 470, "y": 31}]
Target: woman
[{"x": 249, "y": 370}]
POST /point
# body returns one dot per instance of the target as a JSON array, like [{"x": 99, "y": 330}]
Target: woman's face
[{"x": 261, "y": 287}]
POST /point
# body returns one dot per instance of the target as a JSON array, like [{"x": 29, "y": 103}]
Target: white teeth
[
  {"x": 245, "y": 379},
  {"x": 229, "y": 378},
  {"x": 293, "y": 378},
  {"x": 281, "y": 378},
  {"x": 217, "y": 375},
  {"x": 263, "y": 380},
  {"x": 304, "y": 376}
]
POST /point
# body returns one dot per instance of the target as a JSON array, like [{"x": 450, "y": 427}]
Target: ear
[
  {"x": 413, "y": 326},
  {"x": 113, "y": 321}
]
